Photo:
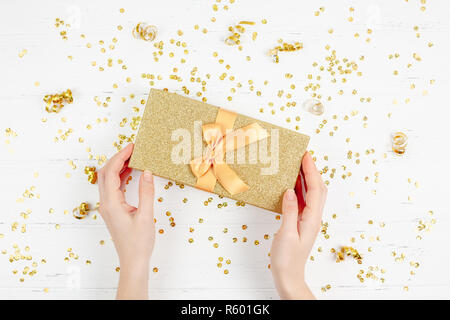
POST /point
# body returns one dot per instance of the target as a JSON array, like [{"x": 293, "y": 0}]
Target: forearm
[
  {"x": 300, "y": 292},
  {"x": 133, "y": 282}
]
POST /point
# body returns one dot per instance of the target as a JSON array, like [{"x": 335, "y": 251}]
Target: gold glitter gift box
[{"x": 167, "y": 113}]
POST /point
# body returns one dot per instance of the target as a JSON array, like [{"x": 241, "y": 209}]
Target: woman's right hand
[{"x": 294, "y": 240}]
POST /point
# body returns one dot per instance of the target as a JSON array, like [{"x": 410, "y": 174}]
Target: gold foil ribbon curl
[
  {"x": 55, "y": 102},
  {"x": 399, "y": 142},
  {"x": 348, "y": 251},
  {"x": 82, "y": 211},
  {"x": 145, "y": 31},
  {"x": 234, "y": 38},
  {"x": 283, "y": 48},
  {"x": 91, "y": 173}
]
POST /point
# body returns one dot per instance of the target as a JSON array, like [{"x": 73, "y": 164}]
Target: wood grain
[{"x": 189, "y": 270}]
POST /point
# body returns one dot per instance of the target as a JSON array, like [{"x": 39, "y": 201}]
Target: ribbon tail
[
  {"x": 207, "y": 181},
  {"x": 229, "y": 179}
]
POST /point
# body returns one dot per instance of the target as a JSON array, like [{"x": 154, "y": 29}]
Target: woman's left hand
[{"x": 132, "y": 229}]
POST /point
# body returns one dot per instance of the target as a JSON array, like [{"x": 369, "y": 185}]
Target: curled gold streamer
[
  {"x": 145, "y": 31},
  {"x": 57, "y": 100}
]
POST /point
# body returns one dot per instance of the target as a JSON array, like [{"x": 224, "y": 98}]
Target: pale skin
[{"x": 133, "y": 229}]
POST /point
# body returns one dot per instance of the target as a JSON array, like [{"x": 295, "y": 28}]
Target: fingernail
[
  {"x": 290, "y": 194},
  {"x": 147, "y": 176}
]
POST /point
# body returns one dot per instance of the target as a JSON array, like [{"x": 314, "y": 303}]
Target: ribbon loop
[{"x": 219, "y": 138}]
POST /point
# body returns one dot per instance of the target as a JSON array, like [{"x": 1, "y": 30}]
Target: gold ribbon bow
[{"x": 220, "y": 139}]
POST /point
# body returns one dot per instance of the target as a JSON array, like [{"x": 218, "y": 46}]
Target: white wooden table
[{"x": 399, "y": 191}]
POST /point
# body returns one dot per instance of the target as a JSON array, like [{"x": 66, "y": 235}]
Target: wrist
[
  {"x": 134, "y": 267},
  {"x": 300, "y": 291},
  {"x": 133, "y": 280}
]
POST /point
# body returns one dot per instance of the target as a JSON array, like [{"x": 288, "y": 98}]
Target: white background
[{"x": 189, "y": 270}]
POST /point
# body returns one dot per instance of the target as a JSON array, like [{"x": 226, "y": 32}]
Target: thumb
[
  {"x": 146, "y": 194},
  {"x": 289, "y": 210}
]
